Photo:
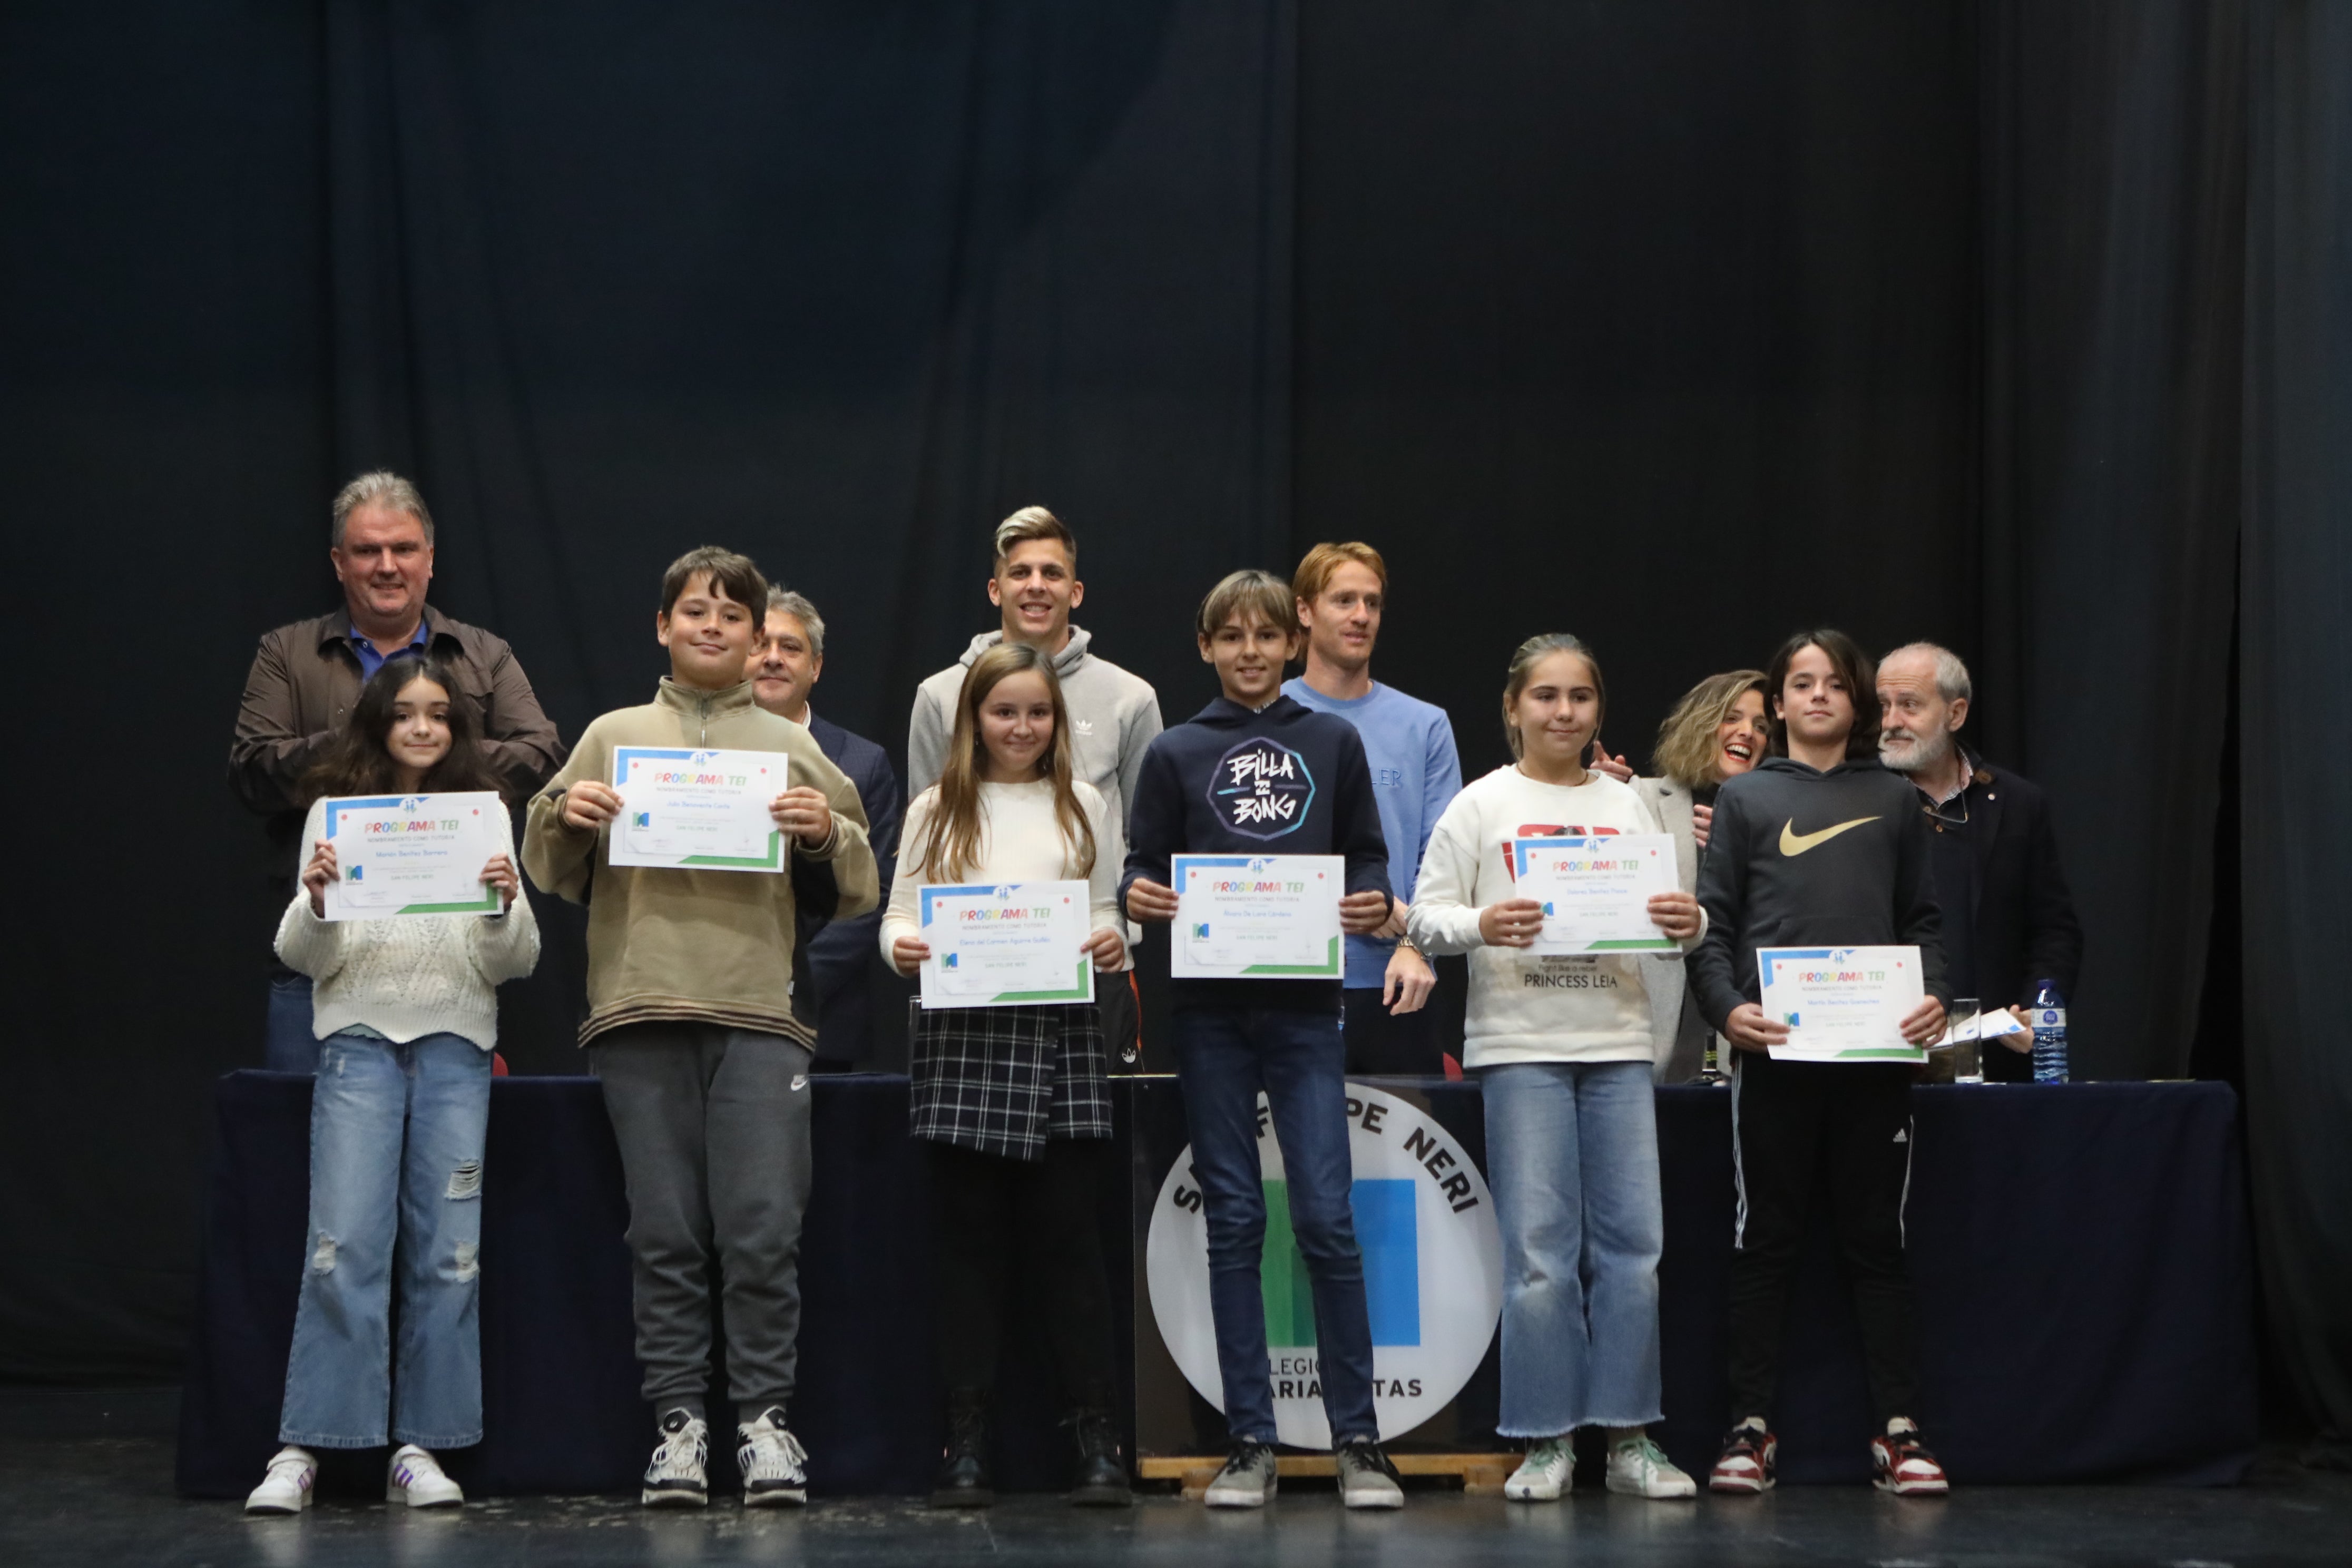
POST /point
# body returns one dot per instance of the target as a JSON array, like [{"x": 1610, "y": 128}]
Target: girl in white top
[
  {"x": 407, "y": 1013},
  {"x": 1563, "y": 1047},
  {"x": 1012, "y": 1103}
]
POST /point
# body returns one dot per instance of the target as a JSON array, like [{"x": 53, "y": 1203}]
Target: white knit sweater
[{"x": 412, "y": 977}]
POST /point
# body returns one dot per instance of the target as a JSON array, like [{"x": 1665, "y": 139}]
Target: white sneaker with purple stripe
[
  {"x": 415, "y": 1478},
  {"x": 287, "y": 1488}
]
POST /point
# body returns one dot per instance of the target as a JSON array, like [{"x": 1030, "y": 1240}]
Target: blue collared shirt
[{"x": 370, "y": 660}]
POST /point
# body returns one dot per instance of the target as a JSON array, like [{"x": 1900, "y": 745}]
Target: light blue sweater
[{"x": 1416, "y": 774}]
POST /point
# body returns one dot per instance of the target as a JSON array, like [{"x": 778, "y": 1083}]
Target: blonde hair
[
  {"x": 1034, "y": 522},
  {"x": 1532, "y": 652},
  {"x": 1314, "y": 573},
  {"x": 1686, "y": 751},
  {"x": 1242, "y": 593},
  {"x": 951, "y": 839}
]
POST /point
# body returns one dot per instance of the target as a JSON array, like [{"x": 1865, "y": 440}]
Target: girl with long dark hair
[{"x": 406, "y": 1014}]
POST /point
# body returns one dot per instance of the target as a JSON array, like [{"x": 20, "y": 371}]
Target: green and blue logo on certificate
[
  {"x": 697, "y": 809},
  {"x": 412, "y": 855},
  {"x": 1258, "y": 916},
  {"x": 1013, "y": 944}
]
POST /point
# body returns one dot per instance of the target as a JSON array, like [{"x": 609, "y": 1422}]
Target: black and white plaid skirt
[{"x": 1002, "y": 1080}]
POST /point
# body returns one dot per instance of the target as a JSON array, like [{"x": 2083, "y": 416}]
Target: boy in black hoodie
[
  {"x": 1256, "y": 772},
  {"x": 1819, "y": 846}
]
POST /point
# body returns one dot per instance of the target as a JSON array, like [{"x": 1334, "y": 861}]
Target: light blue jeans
[
  {"x": 396, "y": 1135},
  {"x": 1572, "y": 1161}
]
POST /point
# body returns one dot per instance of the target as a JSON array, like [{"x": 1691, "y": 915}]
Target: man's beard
[{"x": 1916, "y": 755}]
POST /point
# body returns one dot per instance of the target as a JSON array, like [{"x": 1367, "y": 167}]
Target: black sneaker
[{"x": 1248, "y": 1479}]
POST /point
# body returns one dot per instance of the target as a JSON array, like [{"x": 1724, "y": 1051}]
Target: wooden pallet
[{"x": 1482, "y": 1475}]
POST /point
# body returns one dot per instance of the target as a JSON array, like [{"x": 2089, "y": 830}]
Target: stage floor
[{"x": 86, "y": 1501}]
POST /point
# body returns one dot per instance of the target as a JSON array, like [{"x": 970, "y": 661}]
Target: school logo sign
[
  {"x": 1261, "y": 789},
  {"x": 1433, "y": 1271}
]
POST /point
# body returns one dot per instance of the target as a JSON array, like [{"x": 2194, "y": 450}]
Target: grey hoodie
[{"x": 1113, "y": 717}]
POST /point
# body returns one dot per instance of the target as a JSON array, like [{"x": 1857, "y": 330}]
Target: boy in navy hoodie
[{"x": 1237, "y": 1038}]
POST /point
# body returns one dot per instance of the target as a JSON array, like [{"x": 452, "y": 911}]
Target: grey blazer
[{"x": 1677, "y": 1033}]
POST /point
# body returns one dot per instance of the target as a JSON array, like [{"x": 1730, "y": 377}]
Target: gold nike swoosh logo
[{"x": 1795, "y": 843}]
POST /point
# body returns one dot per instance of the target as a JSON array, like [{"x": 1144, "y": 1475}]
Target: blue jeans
[
  {"x": 1225, "y": 1058},
  {"x": 288, "y": 1045},
  {"x": 396, "y": 1137},
  {"x": 1572, "y": 1161}
]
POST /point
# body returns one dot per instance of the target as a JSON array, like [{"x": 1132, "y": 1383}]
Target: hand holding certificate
[
  {"x": 1014, "y": 945},
  {"x": 1842, "y": 1003},
  {"x": 1596, "y": 892},
  {"x": 1258, "y": 916},
  {"x": 410, "y": 854},
  {"x": 704, "y": 809}
]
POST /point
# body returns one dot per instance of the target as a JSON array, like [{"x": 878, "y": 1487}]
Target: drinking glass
[{"x": 1968, "y": 1051}]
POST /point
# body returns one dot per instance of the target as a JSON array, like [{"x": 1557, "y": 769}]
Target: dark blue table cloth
[{"x": 2081, "y": 1256}]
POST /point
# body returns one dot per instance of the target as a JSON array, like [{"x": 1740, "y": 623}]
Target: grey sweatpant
[{"x": 713, "y": 1125}]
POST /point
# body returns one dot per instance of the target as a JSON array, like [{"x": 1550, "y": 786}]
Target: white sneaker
[
  {"x": 1544, "y": 1474},
  {"x": 675, "y": 1477},
  {"x": 1639, "y": 1467},
  {"x": 773, "y": 1463},
  {"x": 287, "y": 1487},
  {"x": 415, "y": 1478}
]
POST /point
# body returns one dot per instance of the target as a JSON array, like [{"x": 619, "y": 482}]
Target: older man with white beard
[{"x": 2008, "y": 921}]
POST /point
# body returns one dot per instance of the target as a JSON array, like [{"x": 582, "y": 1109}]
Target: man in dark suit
[
  {"x": 835, "y": 969},
  {"x": 2008, "y": 921}
]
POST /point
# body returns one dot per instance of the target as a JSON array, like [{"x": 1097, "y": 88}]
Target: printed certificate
[
  {"x": 691, "y": 809},
  {"x": 1596, "y": 892},
  {"x": 1842, "y": 1003},
  {"x": 1011, "y": 946},
  {"x": 412, "y": 855},
  {"x": 1271, "y": 917}
]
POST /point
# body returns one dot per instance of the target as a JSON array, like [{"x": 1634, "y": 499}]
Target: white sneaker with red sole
[
  {"x": 1749, "y": 1457},
  {"x": 1901, "y": 1463}
]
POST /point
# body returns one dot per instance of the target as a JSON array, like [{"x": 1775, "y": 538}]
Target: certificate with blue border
[
  {"x": 1842, "y": 1003},
  {"x": 1258, "y": 916},
  {"x": 412, "y": 855},
  {"x": 1006, "y": 945},
  {"x": 690, "y": 809},
  {"x": 1596, "y": 891}
]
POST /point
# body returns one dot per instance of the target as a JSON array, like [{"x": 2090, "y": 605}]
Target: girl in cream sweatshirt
[{"x": 1562, "y": 1046}]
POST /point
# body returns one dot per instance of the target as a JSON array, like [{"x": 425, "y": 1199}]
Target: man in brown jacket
[{"x": 305, "y": 677}]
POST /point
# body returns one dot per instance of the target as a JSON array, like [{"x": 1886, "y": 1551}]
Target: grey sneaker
[
  {"x": 675, "y": 1477},
  {"x": 1247, "y": 1479},
  {"x": 1366, "y": 1479}
]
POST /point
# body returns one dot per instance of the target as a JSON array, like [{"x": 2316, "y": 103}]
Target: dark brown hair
[
  {"x": 356, "y": 760},
  {"x": 731, "y": 575},
  {"x": 1851, "y": 665}
]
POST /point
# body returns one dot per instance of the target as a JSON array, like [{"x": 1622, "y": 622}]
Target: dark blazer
[
  {"x": 2023, "y": 923},
  {"x": 831, "y": 972}
]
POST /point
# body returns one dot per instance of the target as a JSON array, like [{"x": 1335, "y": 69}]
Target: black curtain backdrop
[
  {"x": 2296, "y": 645},
  {"x": 1678, "y": 326}
]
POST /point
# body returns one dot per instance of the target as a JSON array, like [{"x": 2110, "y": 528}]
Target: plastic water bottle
[{"x": 2049, "y": 1033}]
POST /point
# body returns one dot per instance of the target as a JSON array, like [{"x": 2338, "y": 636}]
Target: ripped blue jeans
[{"x": 396, "y": 1134}]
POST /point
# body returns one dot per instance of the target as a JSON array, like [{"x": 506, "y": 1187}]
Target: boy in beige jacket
[{"x": 690, "y": 1030}]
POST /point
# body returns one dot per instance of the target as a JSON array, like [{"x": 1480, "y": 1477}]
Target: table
[{"x": 2081, "y": 1254}]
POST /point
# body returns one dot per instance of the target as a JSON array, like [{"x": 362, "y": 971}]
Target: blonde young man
[
  {"x": 1341, "y": 590},
  {"x": 1113, "y": 716}
]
